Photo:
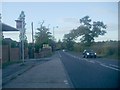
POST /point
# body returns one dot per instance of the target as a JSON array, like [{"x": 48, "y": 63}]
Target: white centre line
[
  {"x": 59, "y": 54},
  {"x": 109, "y": 67},
  {"x": 86, "y": 60},
  {"x": 91, "y": 61},
  {"x": 114, "y": 65},
  {"x": 102, "y": 64},
  {"x": 65, "y": 81},
  {"x": 98, "y": 62}
]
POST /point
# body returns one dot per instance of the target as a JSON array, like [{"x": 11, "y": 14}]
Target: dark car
[{"x": 89, "y": 54}]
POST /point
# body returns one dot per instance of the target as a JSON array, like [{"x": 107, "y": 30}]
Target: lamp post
[
  {"x": 54, "y": 32},
  {"x": 32, "y": 41}
]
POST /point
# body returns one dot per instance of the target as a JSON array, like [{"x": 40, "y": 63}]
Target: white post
[{"x": 20, "y": 24}]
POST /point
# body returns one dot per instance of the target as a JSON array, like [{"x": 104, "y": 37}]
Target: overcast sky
[{"x": 65, "y": 15}]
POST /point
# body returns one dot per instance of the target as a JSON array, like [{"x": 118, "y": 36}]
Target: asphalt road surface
[{"x": 91, "y": 73}]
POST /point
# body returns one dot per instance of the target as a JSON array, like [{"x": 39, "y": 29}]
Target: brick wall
[
  {"x": 26, "y": 53},
  {"x": 5, "y": 54},
  {"x": 9, "y": 54},
  {"x": 44, "y": 53},
  {"x": 14, "y": 54}
]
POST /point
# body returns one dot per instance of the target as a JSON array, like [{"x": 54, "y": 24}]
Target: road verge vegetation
[{"x": 107, "y": 49}]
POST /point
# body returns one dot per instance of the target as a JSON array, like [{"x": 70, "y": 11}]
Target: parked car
[{"x": 89, "y": 54}]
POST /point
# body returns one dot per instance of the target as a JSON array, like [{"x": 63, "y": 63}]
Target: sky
[{"x": 65, "y": 15}]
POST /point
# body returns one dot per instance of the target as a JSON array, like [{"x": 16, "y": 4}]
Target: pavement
[
  {"x": 12, "y": 71},
  {"x": 48, "y": 74}
]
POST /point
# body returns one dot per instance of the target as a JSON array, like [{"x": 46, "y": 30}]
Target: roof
[
  {"x": 8, "y": 39},
  {"x": 6, "y": 27}
]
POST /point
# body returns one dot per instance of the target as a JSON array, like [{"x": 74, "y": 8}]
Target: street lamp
[{"x": 54, "y": 32}]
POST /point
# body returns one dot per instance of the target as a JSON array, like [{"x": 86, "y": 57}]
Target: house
[
  {"x": 6, "y": 28},
  {"x": 8, "y": 53}
]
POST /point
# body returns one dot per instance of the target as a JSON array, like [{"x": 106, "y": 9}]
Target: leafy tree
[
  {"x": 68, "y": 40},
  {"x": 59, "y": 45},
  {"x": 90, "y": 31},
  {"x": 86, "y": 21},
  {"x": 43, "y": 36},
  {"x": 97, "y": 29},
  {"x": 87, "y": 31}
]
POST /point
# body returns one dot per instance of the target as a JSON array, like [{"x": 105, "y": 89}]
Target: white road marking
[
  {"x": 102, "y": 64},
  {"x": 86, "y": 60},
  {"x": 114, "y": 65},
  {"x": 65, "y": 81},
  {"x": 91, "y": 61},
  {"x": 59, "y": 54},
  {"x": 98, "y": 62},
  {"x": 109, "y": 67},
  {"x": 76, "y": 57},
  {"x": 81, "y": 58}
]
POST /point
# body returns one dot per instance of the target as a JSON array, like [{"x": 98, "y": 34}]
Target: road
[
  {"x": 90, "y": 73},
  {"x": 66, "y": 70}
]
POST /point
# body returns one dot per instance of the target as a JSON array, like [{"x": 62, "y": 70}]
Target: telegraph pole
[
  {"x": 0, "y": 17},
  {"x": 32, "y": 33},
  {"x": 32, "y": 41}
]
